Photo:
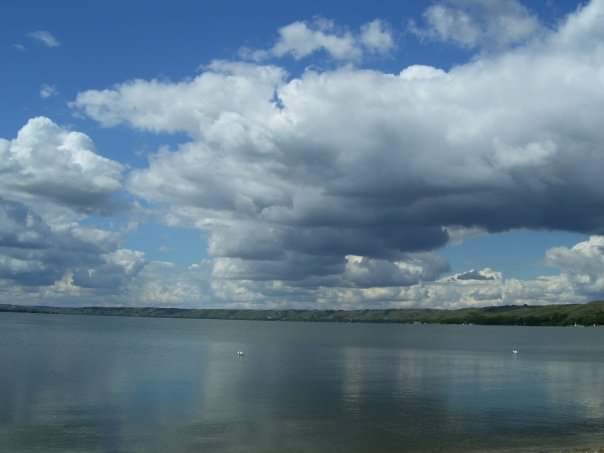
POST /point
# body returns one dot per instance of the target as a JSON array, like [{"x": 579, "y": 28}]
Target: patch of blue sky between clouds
[
  {"x": 183, "y": 246},
  {"x": 517, "y": 254}
]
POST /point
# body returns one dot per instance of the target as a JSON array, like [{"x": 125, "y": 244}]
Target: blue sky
[{"x": 297, "y": 212}]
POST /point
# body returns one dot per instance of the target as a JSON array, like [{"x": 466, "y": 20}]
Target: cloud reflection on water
[{"x": 116, "y": 384}]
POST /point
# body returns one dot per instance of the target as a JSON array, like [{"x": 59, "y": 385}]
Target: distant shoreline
[{"x": 589, "y": 314}]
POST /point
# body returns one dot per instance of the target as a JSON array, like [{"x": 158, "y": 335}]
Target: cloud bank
[
  {"x": 52, "y": 180},
  {"x": 338, "y": 187}
]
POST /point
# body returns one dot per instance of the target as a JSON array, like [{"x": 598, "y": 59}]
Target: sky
[{"x": 438, "y": 154}]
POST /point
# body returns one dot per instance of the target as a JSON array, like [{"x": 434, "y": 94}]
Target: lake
[{"x": 111, "y": 384}]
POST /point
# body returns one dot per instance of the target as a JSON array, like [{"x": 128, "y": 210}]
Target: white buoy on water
[
  {"x": 514, "y": 351},
  {"x": 240, "y": 353}
]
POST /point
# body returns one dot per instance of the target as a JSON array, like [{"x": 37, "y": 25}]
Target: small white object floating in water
[
  {"x": 514, "y": 351},
  {"x": 240, "y": 353}
]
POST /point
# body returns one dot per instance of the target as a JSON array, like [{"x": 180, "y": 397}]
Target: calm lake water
[{"x": 104, "y": 384}]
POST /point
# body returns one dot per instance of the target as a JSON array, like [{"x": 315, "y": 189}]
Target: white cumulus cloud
[
  {"x": 582, "y": 265},
  {"x": 46, "y": 164}
]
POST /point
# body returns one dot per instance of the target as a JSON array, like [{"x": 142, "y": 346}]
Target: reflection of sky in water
[{"x": 122, "y": 384}]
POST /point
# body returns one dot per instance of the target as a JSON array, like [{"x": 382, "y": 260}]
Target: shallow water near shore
[{"x": 111, "y": 384}]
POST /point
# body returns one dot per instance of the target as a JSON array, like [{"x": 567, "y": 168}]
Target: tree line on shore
[{"x": 589, "y": 314}]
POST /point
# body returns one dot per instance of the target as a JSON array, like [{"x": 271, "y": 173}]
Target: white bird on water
[
  {"x": 240, "y": 353},
  {"x": 514, "y": 351}
]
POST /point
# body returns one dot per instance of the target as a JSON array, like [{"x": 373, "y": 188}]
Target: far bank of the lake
[{"x": 590, "y": 314}]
